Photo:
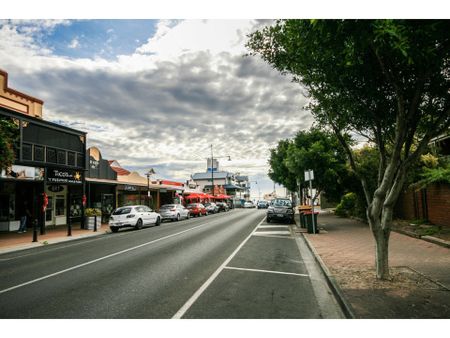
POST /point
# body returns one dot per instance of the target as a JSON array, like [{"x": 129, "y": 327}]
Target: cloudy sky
[{"x": 157, "y": 93}]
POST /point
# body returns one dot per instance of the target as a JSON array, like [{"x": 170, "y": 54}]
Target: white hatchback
[{"x": 135, "y": 216}]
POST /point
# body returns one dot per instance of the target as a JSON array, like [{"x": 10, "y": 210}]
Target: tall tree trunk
[{"x": 382, "y": 252}]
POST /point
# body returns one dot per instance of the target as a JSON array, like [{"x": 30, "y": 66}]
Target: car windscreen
[
  {"x": 122, "y": 211},
  {"x": 192, "y": 205},
  {"x": 282, "y": 203}
]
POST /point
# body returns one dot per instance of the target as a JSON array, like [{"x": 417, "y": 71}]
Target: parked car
[
  {"x": 212, "y": 208},
  {"x": 223, "y": 206},
  {"x": 197, "y": 209},
  {"x": 135, "y": 216},
  {"x": 262, "y": 205},
  {"x": 174, "y": 212},
  {"x": 281, "y": 209},
  {"x": 248, "y": 204}
]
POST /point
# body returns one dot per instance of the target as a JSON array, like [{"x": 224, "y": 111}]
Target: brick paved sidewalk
[
  {"x": 348, "y": 250},
  {"x": 13, "y": 241}
]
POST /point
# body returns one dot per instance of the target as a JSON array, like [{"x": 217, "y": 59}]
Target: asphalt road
[{"x": 228, "y": 265}]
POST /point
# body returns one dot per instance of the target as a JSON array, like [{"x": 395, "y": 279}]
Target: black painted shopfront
[{"x": 49, "y": 165}]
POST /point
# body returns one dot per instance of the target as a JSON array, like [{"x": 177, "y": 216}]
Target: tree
[
  {"x": 278, "y": 172},
  {"x": 386, "y": 80},
  {"x": 320, "y": 151},
  {"x": 8, "y": 136}
]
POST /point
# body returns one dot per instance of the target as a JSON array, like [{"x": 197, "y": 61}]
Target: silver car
[
  {"x": 135, "y": 216},
  {"x": 174, "y": 212}
]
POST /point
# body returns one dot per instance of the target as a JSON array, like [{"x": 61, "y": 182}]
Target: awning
[{"x": 222, "y": 197}]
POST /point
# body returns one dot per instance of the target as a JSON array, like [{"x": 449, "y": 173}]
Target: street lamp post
[
  {"x": 148, "y": 174},
  {"x": 212, "y": 167}
]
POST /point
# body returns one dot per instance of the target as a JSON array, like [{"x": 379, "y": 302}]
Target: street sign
[{"x": 309, "y": 175}]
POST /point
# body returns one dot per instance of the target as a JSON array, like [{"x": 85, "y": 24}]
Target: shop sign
[
  {"x": 55, "y": 188},
  {"x": 129, "y": 188},
  {"x": 20, "y": 172},
  {"x": 64, "y": 176},
  {"x": 93, "y": 163}
]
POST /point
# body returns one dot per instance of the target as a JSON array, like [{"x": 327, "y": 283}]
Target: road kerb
[{"x": 332, "y": 283}]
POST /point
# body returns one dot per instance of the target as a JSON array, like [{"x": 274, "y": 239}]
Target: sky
[{"x": 156, "y": 93}]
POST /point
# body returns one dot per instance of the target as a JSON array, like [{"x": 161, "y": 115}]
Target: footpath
[
  {"x": 420, "y": 271},
  {"x": 13, "y": 241}
]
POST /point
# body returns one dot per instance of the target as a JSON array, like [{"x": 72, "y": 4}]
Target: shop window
[
  {"x": 80, "y": 162},
  {"x": 61, "y": 157},
  {"x": 7, "y": 207},
  {"x": 71, "y": 158},
  {"x": 51, "y": 155},
  {"x": 60, "y": 209},
  {"x": 39, "y": 153},
  {"x": 27, "y": 151}
]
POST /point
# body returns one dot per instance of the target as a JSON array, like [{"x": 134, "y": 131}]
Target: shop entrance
[{"x": 56, "y": 207}]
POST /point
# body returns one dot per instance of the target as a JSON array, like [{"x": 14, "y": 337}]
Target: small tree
[
  {"x": 320, "y": 151},
  {"x": 279, "y": 172},
  {"x": 386, "y": 80},
  {"x": 8, "y": 136}
]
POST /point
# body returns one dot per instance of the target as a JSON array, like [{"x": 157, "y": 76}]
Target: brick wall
[{"x": 432, "y": 203}]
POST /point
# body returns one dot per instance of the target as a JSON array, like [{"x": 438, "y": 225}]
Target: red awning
[{"x": 222, "y": 197}]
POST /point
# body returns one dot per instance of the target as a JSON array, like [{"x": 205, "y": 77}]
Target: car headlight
[
  {"x": 270, "y": 210},
  {"x": 131, "y": 216},
  {"x": 290, "y": 211}
]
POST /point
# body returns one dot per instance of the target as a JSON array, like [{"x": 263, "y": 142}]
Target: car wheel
[
  {"x": 138, "y": 224},
  {"x": 188, "y": 215},
  {"x": 268, "y": 220},
  {"x": 114, "y": 229},
  {"x": 158, "y": 221},
  {"x": 206, "y": 213},
  {"x": 178, "y": 217}
]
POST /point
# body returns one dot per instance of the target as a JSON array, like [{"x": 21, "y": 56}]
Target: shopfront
[{"x": 50, "y": 161}]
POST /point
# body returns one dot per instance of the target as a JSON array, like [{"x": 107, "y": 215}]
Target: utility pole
[{"x": 212, "y": 170}]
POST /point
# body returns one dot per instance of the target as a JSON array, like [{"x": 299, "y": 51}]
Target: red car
[{"x": 197, "y": 209}]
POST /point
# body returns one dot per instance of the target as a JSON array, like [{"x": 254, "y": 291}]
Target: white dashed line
[{"x": 267, "y": 271}]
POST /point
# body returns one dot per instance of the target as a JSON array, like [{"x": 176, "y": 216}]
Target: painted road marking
[
  {"x": 264, "y": 233},
  {"x": 273, "y": 226},
  {"x": 99, "y": 259},
  {"x": 267, "y": 271},
  {"x": 180, "y": 313}
]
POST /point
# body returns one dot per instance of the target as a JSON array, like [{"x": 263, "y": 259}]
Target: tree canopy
[
  {"x": 386, "y": 80},
  {"x": 8, "y": 135}
]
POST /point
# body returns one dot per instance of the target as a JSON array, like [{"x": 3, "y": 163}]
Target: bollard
[
  {"x": 69, "y": 227},
  {"x": 35, "y": 234},
  {"x": 95, "y": 222}
]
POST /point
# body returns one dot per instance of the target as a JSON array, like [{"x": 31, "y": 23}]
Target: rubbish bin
[
  {"x": 302, "y": 209},
  {"x": 308, "y": 215}
]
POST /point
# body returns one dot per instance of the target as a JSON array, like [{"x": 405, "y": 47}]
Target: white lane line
[
  {"x": 267, "y": 271},
  {"x": 273, "y": 226},
  {"x": 273, "y": 236},
  {"x": 98, "y": 259},
  {"x": 263, "y": 233},
  {"x": 180, "y": 313}
]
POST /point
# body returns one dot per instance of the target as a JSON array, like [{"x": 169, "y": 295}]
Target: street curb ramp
[{"x": 332, "y": 283}]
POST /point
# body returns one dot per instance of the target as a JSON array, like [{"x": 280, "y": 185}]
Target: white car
[
  {"x": 249, "y": 204},
  {"x": 135, "y": 216},
  {"x": 174, "y": 212}
]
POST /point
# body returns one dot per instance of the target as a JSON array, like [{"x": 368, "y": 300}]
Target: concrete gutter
[{"x": 332, "y": 283}]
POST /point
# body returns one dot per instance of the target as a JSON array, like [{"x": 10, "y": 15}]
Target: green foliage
[
  {"x": 278, "y": 171},
  {"x": 433, "y": 175},
  {"x": 347, "y": 205},
  {"x": 89, "y": 212},
  {"x": 8, "y": 136},
  {"x": 320, "y": 151}
]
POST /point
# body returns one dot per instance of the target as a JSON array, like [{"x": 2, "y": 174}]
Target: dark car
[
  {"x": 281, "y": 209},
  {"x": 262, "y": 204},
  {"x": 223, "y": 206},
  {"x": 197, "y": 209}
]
